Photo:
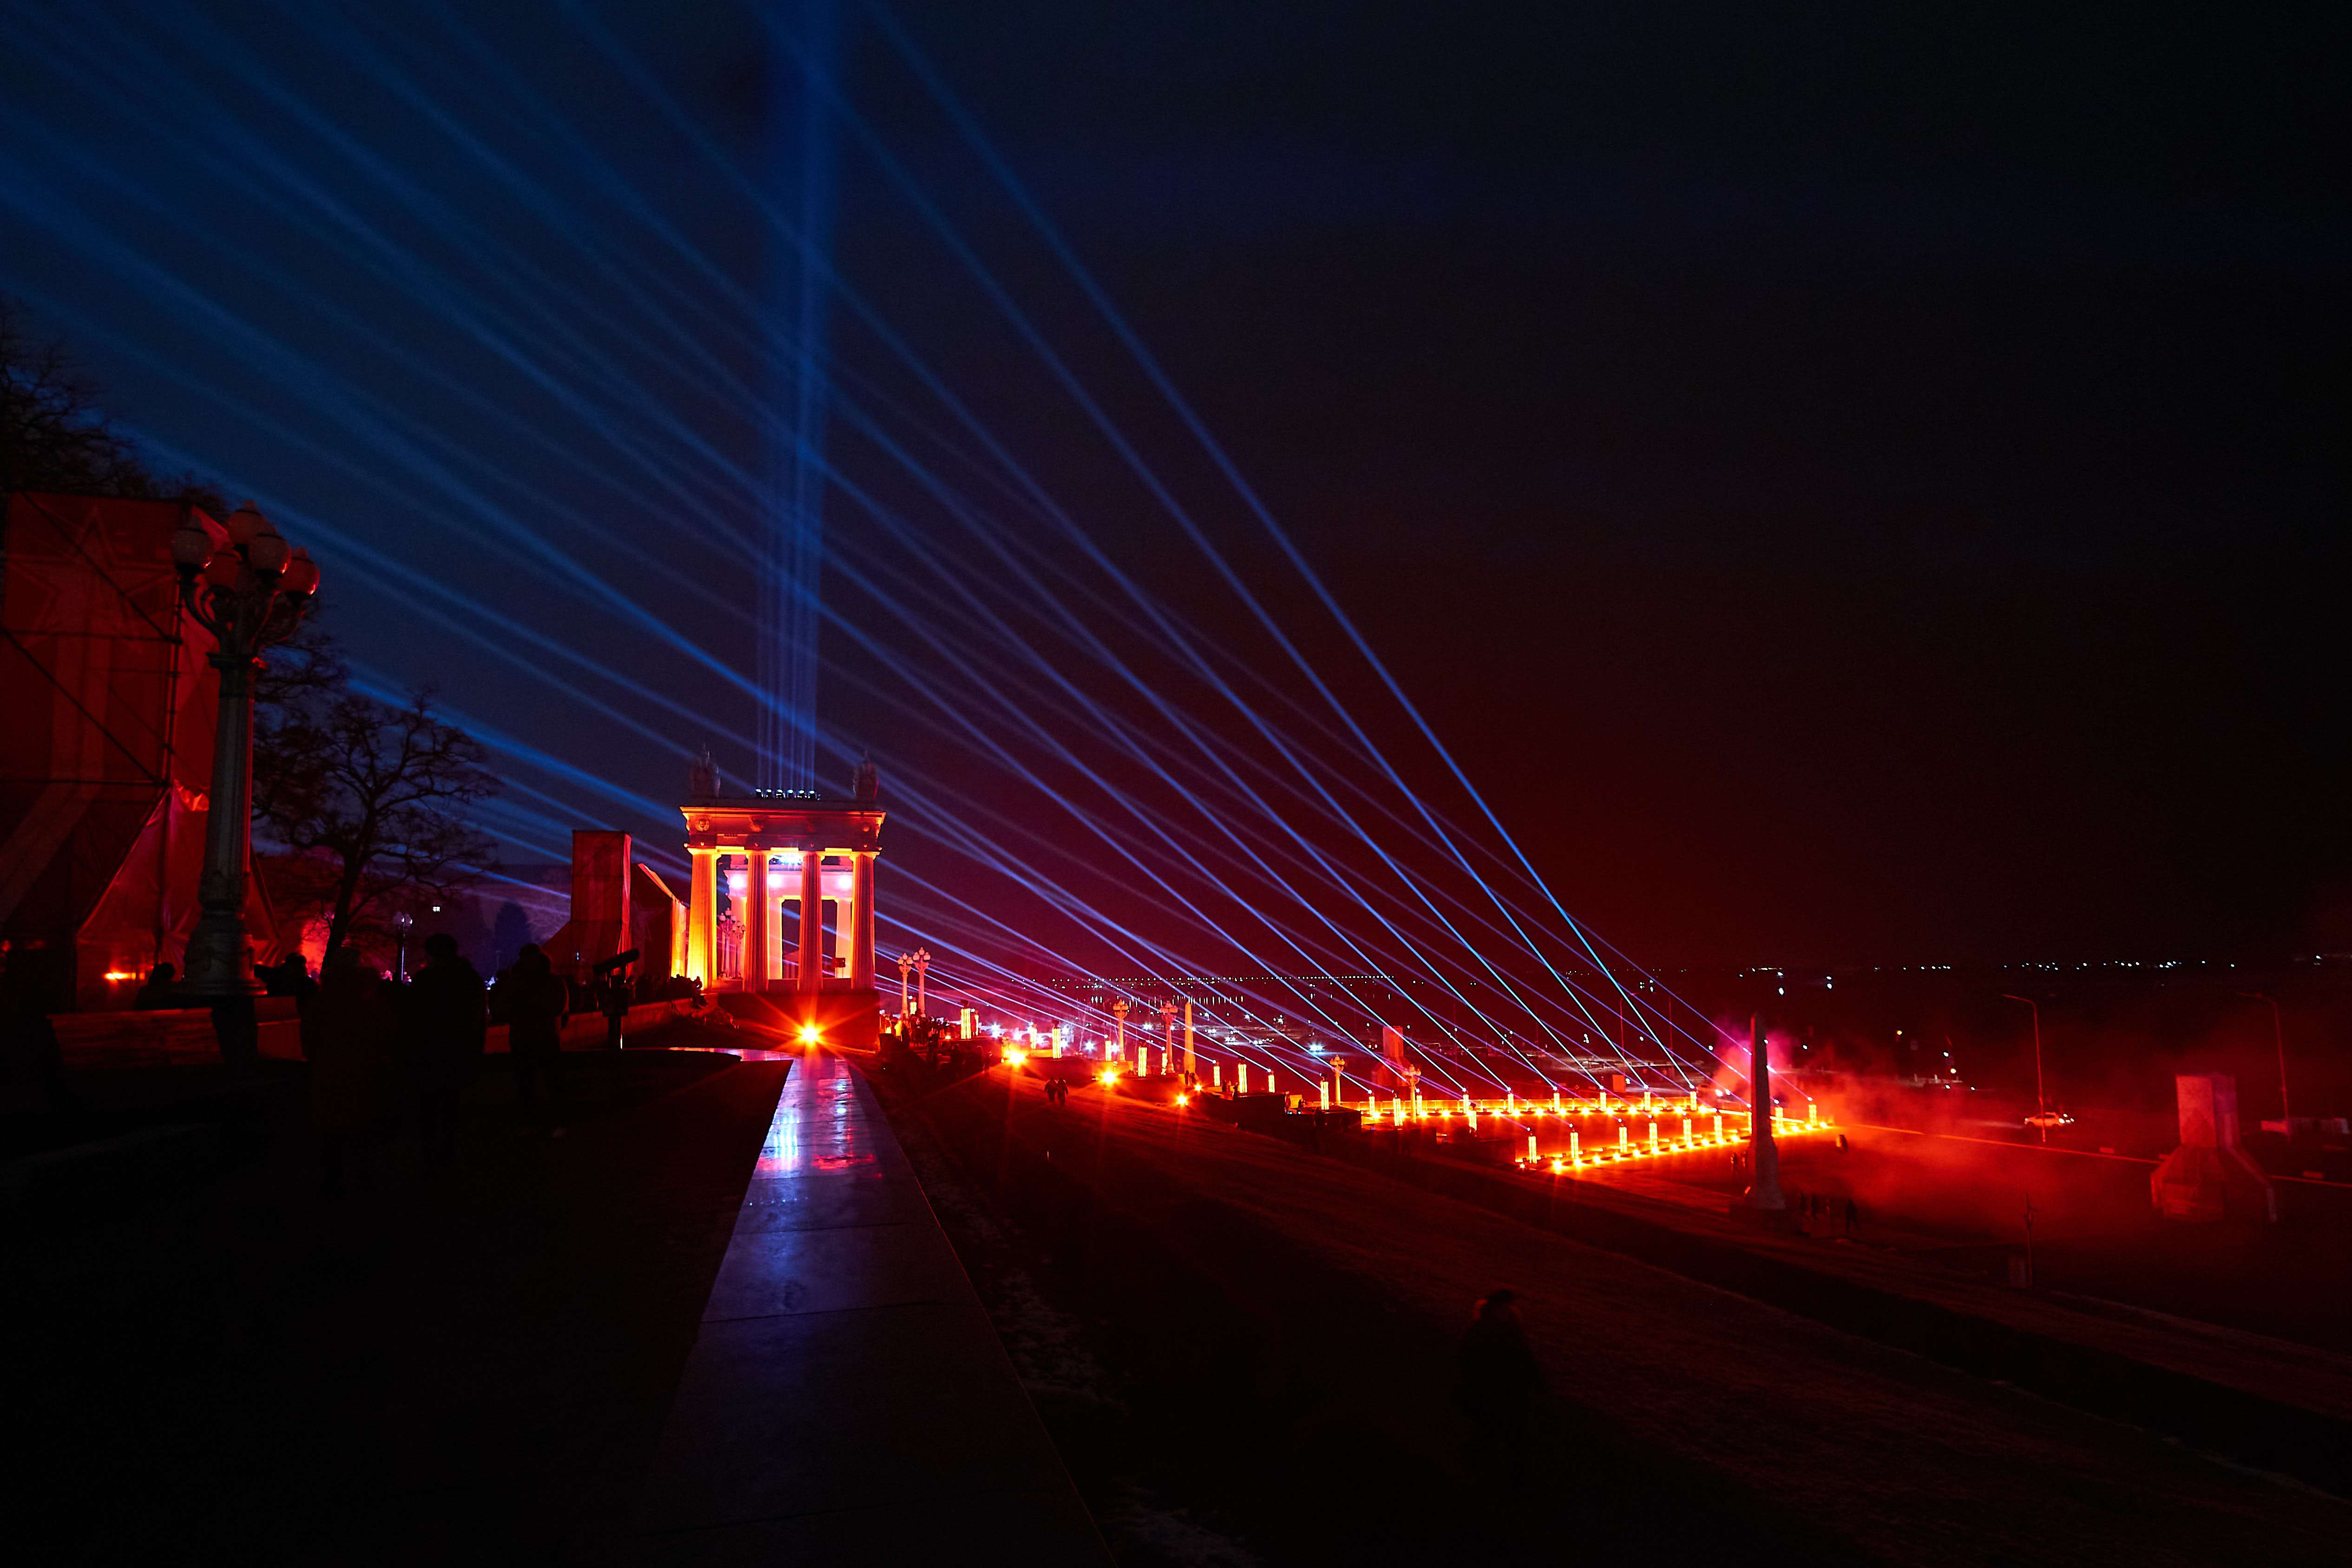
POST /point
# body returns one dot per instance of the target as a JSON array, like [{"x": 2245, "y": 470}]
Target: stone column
[
  {"x": 702, "y": 919},
  {"x": 1763, "y": 1193},
  {"x": 812, "y": 951},
  {"x": 861, "y": 941},
  {"x": 759, "y": 909}
]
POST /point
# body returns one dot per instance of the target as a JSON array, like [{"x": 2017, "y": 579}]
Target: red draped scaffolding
[{"x": 107, "y": 709}]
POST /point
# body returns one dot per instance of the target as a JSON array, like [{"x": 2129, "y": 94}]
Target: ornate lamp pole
[
  {"x": 921, "y": 959},
  {"x": 249, "y": 589},
  {"x": 906, "y": 975},
  {"x": 1118, "y": 1011}
]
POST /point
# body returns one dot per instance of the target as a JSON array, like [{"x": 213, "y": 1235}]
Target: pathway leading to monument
[{"x": 847, "y": 1398}]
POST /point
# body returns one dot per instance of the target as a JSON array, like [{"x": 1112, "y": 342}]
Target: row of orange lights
[
  {"x": 1511, "y": 1108},
  {"x": 1656, "y": 1147}
]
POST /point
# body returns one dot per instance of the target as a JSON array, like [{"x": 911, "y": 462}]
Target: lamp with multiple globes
[{"x": 247, "y": 587}]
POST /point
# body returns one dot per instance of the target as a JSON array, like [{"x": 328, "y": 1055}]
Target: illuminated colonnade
[{"x": 823, "y": 850}]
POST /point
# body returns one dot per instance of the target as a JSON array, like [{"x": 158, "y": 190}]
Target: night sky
[{"x": 1850, "y": 485}]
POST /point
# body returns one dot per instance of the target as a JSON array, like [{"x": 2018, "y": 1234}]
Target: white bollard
[
  {"x": 1327, "y": 1096},
  {"x": 1531, "y": 1145},
  {"x": 1575, "y": 1147},
  {"x": 1241, "y": 1077}
]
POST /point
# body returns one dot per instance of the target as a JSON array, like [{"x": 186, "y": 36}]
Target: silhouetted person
[
  {"x": 1852, "y": 1217},
  {"x": 615, "y": 999},
  {"x": 1499, "y": 1382},
  {"x": 290, "y": 977},
  {"x": 447, "y": 1016},
  {"x": 347, "y": 1037},
  {"x": 29, "y": 1045},
  {"x": 535, "y": 1023},
  {"x": 156, "y": 994},
  {"x": 501, "y": 994}
]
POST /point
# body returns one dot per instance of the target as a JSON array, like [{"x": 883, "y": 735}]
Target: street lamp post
[
  {"x": 906, "y": 977},
  {"x": 251, "y": 590},
  {"x": 2278, "y": 1035},
  {"x": 402, "y": 925},
  {"x": 1119, "y": 1014},
  {"x": 2040, "y": 1106},
  {"x": 921, "y": 959}
]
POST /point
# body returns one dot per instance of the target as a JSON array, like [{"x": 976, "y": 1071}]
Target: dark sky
[
  {"x": 1853, "y": 482},
  {"x": 1847, "y": 483}
]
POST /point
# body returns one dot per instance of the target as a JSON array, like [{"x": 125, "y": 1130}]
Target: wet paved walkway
[{"x": 848, "y": 1399}]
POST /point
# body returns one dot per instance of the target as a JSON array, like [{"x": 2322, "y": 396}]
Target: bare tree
[
  {"x": 372, "y": 801},
  {"x": 54, "y": 433},
  {"x": 304, "y": 669},
  {"x": 369, "y": 800}
]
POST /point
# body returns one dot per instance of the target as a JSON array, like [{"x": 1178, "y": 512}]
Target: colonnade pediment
[{"x": 739, "y": 829}]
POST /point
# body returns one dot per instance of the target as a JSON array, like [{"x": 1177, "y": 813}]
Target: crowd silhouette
[{"x": 390, "y": 1056}]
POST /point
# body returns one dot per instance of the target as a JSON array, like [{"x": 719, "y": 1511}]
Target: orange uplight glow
[
  {"x": 809, "y": 1034},
  {"x": 1015, "y": 1058},
  {"x": 120, "y": 975},
  {"x": 1110, "y": 1076},
  {"x": 1183, "y": 1099}
]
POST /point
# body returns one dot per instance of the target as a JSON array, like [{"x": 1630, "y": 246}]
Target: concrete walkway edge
[{"x": 847, "y": 1398}]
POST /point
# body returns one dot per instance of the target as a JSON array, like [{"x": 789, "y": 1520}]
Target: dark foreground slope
[
  {"x": 1222, "y": 1322},
  {"x": 470, "y": 1367}
]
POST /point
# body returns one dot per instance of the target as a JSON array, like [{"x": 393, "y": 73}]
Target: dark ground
[
  {"x": 1244, "y": 1353},
  {"x": 1961, "y": 1204},
  {"x": 469, "y": 1367}
]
